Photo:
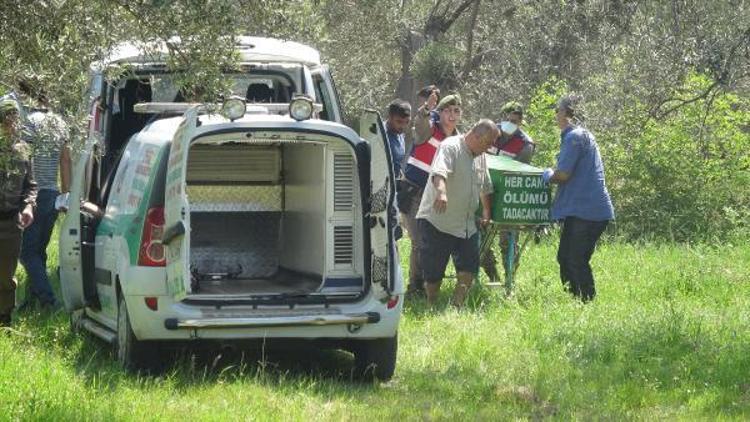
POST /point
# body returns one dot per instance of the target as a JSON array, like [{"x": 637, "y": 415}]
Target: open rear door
[
  {"x": 176, "y": 210},
  {"x": 382, "y": 196},
  {"x": 71, "y": 236}
]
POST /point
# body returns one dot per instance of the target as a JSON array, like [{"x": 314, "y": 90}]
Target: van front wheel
[
  {"x": 375, "y": 358},
  {"x": 132, "y": 353}
]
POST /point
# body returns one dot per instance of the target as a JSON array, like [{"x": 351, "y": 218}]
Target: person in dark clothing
[
  {"x": 47, "y": 135},
  {"x": 399, "y": 117},
  {"x": 17, "y": 200},
  {"x": 582, "y": 202}
]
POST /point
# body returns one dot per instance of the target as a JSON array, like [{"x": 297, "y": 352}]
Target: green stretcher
[{"x": 521, "y": 203}]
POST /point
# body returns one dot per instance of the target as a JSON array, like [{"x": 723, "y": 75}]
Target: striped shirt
[{"x": 47, "y": 134}]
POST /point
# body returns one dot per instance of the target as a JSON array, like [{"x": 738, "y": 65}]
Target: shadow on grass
[
  {"x": 480, "y": 299},
  {"x": 190, "y": 363},
  {"x": 298, "y": 360}
]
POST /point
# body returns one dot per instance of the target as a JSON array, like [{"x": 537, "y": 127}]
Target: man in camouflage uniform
[
  {"x": 17, "y": 201},
  {"x": 515, "y": 143}
]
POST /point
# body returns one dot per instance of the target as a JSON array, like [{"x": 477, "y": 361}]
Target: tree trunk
[{"x": 407, "y": 86}]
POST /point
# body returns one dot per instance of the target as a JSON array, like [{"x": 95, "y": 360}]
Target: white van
[{"x": 262, "y": 217}]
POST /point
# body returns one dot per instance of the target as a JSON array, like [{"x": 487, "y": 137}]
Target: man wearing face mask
[
  {"x": 17, "y": 200},
  {"x": 513, "y": 141},
  {"x": 517, "y": 144},
  {"x": 429, "y": 135}
]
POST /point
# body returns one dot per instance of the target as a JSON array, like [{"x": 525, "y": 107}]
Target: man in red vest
[
  {"x": 515, "y": 143},
  {"x": 429, "y": 135}
]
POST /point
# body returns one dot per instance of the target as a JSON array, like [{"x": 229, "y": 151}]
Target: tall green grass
[{"x": 667, "y": 337}]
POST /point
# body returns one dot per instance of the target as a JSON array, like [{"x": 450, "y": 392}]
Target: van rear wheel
[
  {"x": 375, "y": 359},
  {"x": 132, "y": 353}
]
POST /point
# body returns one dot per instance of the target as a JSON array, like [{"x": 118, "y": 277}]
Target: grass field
[{"x": 667, "y": 337}]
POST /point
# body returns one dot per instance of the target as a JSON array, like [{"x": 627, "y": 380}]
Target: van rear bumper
[{"x": 280, "y": 321}]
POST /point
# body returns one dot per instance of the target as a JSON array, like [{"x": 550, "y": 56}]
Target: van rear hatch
[{"x": 266, "y": 213}]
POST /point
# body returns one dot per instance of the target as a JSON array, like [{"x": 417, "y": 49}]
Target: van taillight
[{"x": 151, "y": 252}]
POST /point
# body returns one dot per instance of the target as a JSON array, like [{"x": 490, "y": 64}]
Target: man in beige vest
[{"x": 447, "y": 214}]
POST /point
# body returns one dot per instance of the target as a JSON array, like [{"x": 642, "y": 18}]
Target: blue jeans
[
  {"x": 34, "y": 246},
  {"x": 577, "y": 243}
]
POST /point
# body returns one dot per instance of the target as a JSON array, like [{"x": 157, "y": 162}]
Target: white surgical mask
[{"x": 508, "y": 127}]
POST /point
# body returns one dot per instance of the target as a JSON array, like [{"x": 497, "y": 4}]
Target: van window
[{"x": 323, "y": 96}]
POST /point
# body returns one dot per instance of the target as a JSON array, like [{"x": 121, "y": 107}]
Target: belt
[{"x": 7, "y": 215}]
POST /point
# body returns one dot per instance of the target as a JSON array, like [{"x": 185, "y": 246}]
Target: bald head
[{"x": 481, "y": 136}]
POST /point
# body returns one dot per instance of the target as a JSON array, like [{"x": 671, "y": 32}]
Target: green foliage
[
  {"x": 437, "y": 62},
  {"x": 686, "y": 177},
  {"x": 540, "y": 120},
  {"x": 638, "y": 65}
]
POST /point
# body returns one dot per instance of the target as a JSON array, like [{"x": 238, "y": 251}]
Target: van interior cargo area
[
  {"x": 240, "y": 252},
  {"x": 260, "y": 218}
]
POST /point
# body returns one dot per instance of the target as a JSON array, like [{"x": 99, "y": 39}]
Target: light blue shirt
[{"x": 584, "y": 195}]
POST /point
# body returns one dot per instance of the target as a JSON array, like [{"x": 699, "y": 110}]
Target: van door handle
[{"x": 173, "y": 232}]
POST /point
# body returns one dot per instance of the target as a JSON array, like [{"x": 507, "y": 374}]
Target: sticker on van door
[
  {"x": 381, "y": 201},
  {"x": 137, "y": 181}
]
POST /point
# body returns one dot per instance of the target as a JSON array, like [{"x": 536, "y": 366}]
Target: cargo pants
[
  {"x": 489, "y": 262},
  {"x": 10, "y": 247}
]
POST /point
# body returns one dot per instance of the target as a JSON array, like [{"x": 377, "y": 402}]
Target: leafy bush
[
  {"x": 686, "y": 177},
  {"x": 437, "y": 62},
  {"x": 683, "y": 177}
]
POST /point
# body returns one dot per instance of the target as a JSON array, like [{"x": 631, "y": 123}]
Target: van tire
[
  {"x": 375, "y": 359},
  {"x": 133, "y": 354}
]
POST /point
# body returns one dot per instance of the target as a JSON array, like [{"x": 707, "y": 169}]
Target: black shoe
[
  {"x": 50, "y": 307},
  {"x": 4, "y": 320},
  {"x": 26, "y": 305},
  {"x": 414, "y": 292}
]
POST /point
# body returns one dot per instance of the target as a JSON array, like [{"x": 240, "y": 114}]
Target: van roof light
[
  {"x": 301, "y": 107},
  {"x": 233, "y": 108}
]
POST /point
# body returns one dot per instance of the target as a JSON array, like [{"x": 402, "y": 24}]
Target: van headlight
[
  {"x": 233, "y": 108},
  {"x": 301, "y": 107}
]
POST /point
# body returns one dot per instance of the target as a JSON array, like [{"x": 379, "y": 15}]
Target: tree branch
[
  {"x": 439, "y": 22},
  {"x": 470, "y": 39},
  {"x": 657, "y": 113}
]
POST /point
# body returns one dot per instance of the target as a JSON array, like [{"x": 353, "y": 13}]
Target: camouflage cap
[
  {"x": 449, "y": 100},
  {"x": 8, "y": 105},
  {"x": 512, "y": 107}
]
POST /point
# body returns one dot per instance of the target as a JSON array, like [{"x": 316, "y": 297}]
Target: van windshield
[
  {"x": 267, "y": 83},
  {"x": 255, "y": 87},
  {"x": 257, "y": 83}
]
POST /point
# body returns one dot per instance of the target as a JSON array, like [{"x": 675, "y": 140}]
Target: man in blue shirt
[
  {"x": 399, "y": 118},
  {"x": 582, "y": 203}
]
